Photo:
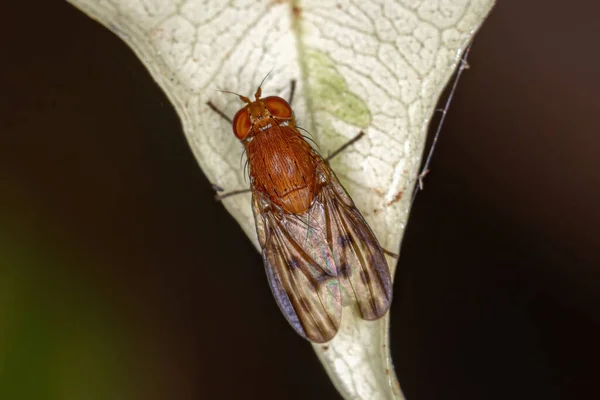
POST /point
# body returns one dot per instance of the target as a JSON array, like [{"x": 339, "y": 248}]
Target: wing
[
  {"x": 300, "y": 269},
  {"x": 361, "y": 264}
]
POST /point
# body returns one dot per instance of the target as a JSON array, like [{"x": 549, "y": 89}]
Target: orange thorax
[{"x": 282, "y": 166}]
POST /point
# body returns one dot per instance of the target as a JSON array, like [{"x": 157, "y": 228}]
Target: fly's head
[{"x": 260, "y": 115}]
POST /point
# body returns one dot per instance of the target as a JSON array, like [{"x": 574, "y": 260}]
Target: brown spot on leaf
[
  {"x": 396, "y": 198},
  {"x": 275, "y": 3}
]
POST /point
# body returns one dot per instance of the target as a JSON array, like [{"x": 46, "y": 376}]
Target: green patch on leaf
[{"x": 330, "y": 93}]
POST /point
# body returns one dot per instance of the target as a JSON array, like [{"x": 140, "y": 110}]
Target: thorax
[{"x": 282, "y": 167}]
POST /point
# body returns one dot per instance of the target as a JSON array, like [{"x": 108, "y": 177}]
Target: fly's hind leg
[
  {"x": 389, "y": 253},
  {"x": 338, "y": 151}
]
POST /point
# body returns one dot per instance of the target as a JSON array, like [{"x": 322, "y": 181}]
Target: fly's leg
[
  {"x": 292, "y": 91},
  {"x": 389, "y": 253},
  {"x": 221, "y": 113},
  {"x": 338, "y": 151},
  {"x": 345, "y": 146},
  {"x": 220, "y": 197}
]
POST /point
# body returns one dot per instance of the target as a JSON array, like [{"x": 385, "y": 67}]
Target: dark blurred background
[{"x": 121, "y": 278}]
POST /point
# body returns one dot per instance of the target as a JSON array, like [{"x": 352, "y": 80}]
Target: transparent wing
[
  {"x": 361, "y": 264},
  {"x": 300, "y": 269}
]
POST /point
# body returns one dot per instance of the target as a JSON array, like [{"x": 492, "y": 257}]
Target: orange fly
[{"x": 315, "y": 243}]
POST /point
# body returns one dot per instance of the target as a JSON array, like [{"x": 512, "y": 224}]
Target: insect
[{"x": 316, "y": 246}]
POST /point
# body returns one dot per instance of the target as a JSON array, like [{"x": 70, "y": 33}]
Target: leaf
[{"x": 378, "y": 66}]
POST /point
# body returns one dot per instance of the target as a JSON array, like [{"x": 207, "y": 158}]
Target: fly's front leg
[
  {"x": 221, "y": 196},
  {"x": 292, "y": 91},
  {"x": 221, "y": 113}
]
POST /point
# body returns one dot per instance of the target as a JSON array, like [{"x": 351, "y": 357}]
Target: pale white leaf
[{"x": 374, "y": 65}]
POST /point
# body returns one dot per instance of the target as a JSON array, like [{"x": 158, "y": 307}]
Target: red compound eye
[
  {"x": 278, "y": 107},
  {"x": 241, "y": 123}
]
